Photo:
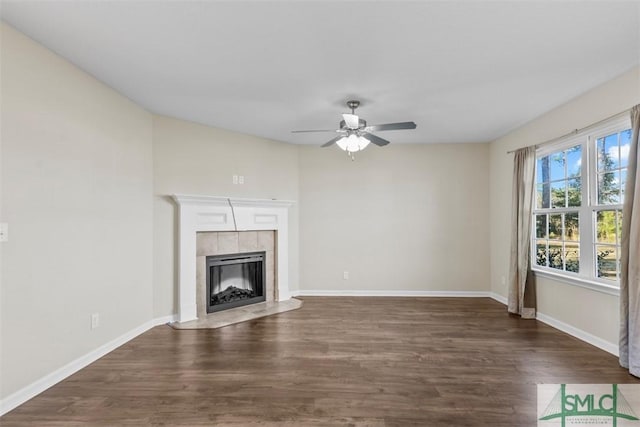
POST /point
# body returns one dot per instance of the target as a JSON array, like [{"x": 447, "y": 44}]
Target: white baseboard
[
  {"x": 568, "y": 329},
  {"x": 21, "y": 396},
  {"x": 498, "y": 298},
  {"x": 388, "y": 293},
  {"x": 164, "y": 320},
  {"x": 579, "y": 333}
]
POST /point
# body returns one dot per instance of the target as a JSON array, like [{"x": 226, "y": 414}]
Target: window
[{"x": 577, "y": 216}]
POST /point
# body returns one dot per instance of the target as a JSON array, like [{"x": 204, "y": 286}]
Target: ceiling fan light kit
[
  {"x": 352, "y": 143},
  {"x": 355, "y": 135}
]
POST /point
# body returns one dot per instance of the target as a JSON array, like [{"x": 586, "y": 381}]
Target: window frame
[{"x": 587, "y": 211}]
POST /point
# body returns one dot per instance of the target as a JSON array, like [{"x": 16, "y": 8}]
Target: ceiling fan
[{"x": 355, "y": 135}]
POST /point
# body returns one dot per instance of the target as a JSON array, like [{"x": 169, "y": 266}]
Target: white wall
[
  {"x": 398, "y": 218},
  {"x": 189, "y": 158},
  {"x": 591, "y": 311},
  {"x": 76, "y": 191}
]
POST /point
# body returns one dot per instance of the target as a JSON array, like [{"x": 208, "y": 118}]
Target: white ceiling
[{"x": 464, "y": 71}]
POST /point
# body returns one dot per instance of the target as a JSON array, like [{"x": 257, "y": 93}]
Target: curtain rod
[{"x": 575, "y": 131}]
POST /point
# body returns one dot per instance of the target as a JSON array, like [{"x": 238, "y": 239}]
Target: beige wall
[
  {"x": 591, "y": 311},
  {"x": 76, "y": 191},
  {"x": 398, "y": 218},
  {"x": 193, "y": 159}
]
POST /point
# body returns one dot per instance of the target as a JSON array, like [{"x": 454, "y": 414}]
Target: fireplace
[
  {"x": 235, "y": 280},
  {"x": 206, "y": 215}
]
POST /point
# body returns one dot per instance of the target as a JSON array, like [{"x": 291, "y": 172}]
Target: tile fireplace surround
[{"x": 223, "y": 214}]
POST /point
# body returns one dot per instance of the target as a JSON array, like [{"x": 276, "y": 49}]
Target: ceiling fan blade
[
  {"x": 315, "y": 130},
  {"x": 375, "y": 139},
  {"x": 352, "y": 121},
  {"x": 333, "y": 141},
  {"x": 391, "y": 126}
]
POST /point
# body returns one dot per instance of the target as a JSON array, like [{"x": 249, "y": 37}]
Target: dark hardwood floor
[{"x": 336, "y": 361}]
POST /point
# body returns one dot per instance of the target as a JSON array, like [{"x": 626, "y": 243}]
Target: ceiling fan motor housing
[{"x": 361, "y": 124}]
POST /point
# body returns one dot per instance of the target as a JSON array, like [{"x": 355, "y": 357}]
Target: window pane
[
  {"x": 546, "y": 195},
  {"x": 607, "y": 265},
  {"x": 541, "y": 252},
  {"x": 571, "y": 226},
  {"x": 625, "y": 144},
  {"x": 555, "y": 227},
  {"x": 558, "y": 194},
  {"x": 542, "y": 170},
  {"x": 555, "y": 255},
  {"x": 608, "y": 153},
  {"x": 539, "y": 196},
  {"x": 608, "y": 187},
  {"x": 619, "y": 226},
  {"x": 606, "y": 226},
  {"x": 601, "y": 156},
  {"x": 541, "y": 226},
  {"x": 612, "y": 150},
  {"x": 574, "y": 192},
  {"x": 572, "y": 257},
  {"x": 574, "y": 161},
  {"x": 623, "y": 182},
  {"x": 557, "y": 166}
]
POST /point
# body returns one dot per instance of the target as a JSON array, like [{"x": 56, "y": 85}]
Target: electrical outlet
[
  {"x": 95, "y": 320},
  {"x": 241, "y": 179},
  {"x": 4, "y": 232},
  {"x": 235, "y": 179},
  {"x": 345, "y": 275},
  {"x": 503, "y": 280}
]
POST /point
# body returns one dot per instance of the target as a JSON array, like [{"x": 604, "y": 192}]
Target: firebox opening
[{"x": 235, "y": 280}]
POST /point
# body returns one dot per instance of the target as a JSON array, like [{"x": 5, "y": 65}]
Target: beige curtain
[
  {"x": 522, "y": 299},
  {"x": 630, "y": 258}
]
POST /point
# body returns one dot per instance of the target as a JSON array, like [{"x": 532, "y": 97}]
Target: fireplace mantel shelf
[
  {"x": 234, "y": 201},
  {"x": 214, "y": 213}
]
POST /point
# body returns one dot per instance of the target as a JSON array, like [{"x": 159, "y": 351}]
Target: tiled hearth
[
  {"x": 240, "y": 314},
  {"x": 212, "y": 226}
]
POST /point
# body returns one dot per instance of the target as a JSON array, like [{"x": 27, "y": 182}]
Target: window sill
[{"x": 578, "y": 281}]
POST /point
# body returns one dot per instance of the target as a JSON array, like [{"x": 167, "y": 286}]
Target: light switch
[
  {"x": 4, "y": 232},
  {"x": 95, "y": 320},
  {"x": 235, "y": 179},
  {"x": 241, "y": 179}
]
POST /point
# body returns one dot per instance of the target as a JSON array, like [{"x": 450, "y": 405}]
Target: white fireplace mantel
[{"x": 213, "y": 213}]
